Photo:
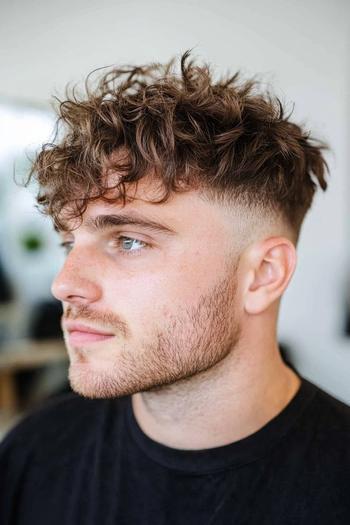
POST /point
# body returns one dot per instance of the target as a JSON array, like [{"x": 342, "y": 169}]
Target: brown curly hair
[{"x": 225, "y": 137}]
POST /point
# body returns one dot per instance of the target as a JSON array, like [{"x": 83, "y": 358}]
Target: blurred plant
[{"x": 32, "y": 241}]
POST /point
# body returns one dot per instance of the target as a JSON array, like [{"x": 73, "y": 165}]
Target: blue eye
[
  {"x": 125, "y": 245},
  {"x": 130, "y": 244}
]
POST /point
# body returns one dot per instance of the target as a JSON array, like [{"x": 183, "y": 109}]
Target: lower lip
[{"x": 75, "y": 337}]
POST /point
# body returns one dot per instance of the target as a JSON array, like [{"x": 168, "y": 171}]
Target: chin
[
  {"x": 97, "y": 383},
  {"x": 90, "y": 383}
]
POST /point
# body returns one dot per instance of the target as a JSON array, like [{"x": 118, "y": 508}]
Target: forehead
[{"x": 182, "y": 212}]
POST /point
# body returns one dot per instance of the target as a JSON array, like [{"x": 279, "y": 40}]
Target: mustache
[{"x": 107, "y": 320}]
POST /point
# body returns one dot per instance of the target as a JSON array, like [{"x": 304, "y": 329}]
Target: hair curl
[{"x": 225, "y": 137}]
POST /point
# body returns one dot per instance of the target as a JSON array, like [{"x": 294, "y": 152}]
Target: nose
[{"x": 77, "y": 281}]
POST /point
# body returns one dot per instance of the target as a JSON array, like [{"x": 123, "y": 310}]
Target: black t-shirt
[{"x": 81, "y": 461}]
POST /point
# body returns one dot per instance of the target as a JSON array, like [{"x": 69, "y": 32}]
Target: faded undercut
[{"x": 225, "y": 137}]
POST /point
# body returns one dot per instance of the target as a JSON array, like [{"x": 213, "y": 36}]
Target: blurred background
[{"x": 299, "y": 48}]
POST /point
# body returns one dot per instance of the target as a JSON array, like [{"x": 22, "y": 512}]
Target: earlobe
[{"x": 272, "y": 264}]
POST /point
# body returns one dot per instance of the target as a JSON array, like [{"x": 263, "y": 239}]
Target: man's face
[{"x": 163, "y": 294}]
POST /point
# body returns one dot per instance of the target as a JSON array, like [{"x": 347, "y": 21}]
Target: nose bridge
[{"x": 78, "y": 278}]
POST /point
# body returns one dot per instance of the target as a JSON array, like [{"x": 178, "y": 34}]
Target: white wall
[{"x": 300, "y": 47}]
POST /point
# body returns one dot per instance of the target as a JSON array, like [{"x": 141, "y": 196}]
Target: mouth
[
  {"x": 77, "y": 338},
  {"x": 78, "y": 334}
]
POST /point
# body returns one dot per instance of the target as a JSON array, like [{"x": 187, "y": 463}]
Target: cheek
[
  {"x": 135, "y": 298},
  {"x": 143, "y": 297},
  {"x": 144, "y": 301}
]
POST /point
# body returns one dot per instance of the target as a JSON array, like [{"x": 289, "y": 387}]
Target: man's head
[{"x": 181, "y": 202}]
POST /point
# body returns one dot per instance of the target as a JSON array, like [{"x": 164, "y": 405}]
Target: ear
[{"x": 269, "y": 266}]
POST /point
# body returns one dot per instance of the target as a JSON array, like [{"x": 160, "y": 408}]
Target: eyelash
[{"x": 132, "y": 253}]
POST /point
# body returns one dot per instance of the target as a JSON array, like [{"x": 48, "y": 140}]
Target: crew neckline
[{"x": 227, "y": 456}]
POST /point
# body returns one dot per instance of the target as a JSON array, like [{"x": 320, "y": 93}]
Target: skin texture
[{"x": 192, "y": 314}]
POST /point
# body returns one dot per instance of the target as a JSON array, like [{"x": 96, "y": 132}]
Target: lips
[{"x": 82, "y": 334}]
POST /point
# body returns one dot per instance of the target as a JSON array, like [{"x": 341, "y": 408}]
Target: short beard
[{"x": 190, "y": 343}]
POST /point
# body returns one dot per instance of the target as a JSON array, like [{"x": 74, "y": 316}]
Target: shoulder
[
  {"x": 49, "y": 414},
  {"x": 331, "y": 413},
  {"x": 331, "y": 446},
  {"x": 326, "y": 422},
  {"x": 47, "y": 445},
  {"x": 317, "y": 443},
  {"x": 55, "y": 423},
  {"x": 325, "y": 419},
  {"x": 332, "y": 431}
]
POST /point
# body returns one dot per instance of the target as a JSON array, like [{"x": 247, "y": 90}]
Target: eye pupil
[{"x": 128, "y": 243}]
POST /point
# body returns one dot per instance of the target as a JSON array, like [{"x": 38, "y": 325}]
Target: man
[{"x": 179, "y": 201}]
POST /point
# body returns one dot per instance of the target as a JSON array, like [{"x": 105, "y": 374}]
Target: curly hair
[{"x": 227, "y": 138}]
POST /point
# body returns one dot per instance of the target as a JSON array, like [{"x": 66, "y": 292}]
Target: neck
[{"x": 228, "y": 402}]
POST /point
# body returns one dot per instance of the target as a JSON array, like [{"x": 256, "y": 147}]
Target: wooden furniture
[{"x": 19, "y": 355}]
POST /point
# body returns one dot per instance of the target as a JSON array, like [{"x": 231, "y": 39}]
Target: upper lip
[{"x": 79, "y": 327}]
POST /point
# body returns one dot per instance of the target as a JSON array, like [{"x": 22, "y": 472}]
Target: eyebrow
[{"x": 105, "y": 222}]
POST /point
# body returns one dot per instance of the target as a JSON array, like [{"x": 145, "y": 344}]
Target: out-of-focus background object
[
  {"x": 300, "y": 48},
  {"x": 33, "y": 360}
]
